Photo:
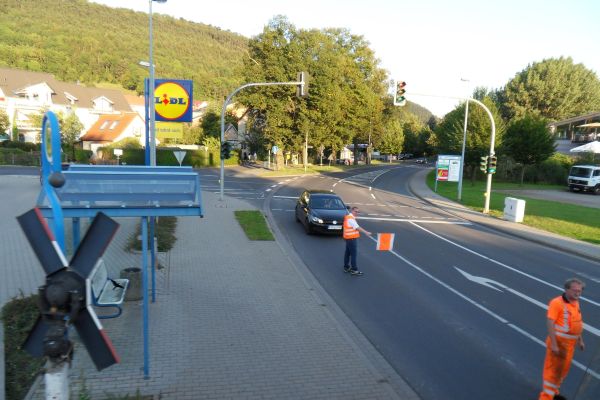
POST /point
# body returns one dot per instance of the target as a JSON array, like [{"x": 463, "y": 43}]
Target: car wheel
[
  {"x": 296, "y": 215},
  {"x": 596, "y": 190},
  {"x": 571, "y": 188}
]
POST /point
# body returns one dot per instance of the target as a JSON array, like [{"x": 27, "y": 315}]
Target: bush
[
  {"x": 25, "y": 146},
  {"x": 18, "y": 316},
  {"x": 16, "y": 156},
  {"x": 164, "y": 231},
  {"x": 83, "y": 156}
]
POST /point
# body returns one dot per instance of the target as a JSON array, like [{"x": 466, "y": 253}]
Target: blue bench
[{"x": 107, "y": 292}]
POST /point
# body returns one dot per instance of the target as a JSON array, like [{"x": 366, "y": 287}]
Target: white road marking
[
  {"x": 415, "y": 219},
  {"x": 487, "y": 311},
  {"x": 500, "y": 263},
  {"x": 492, "y": 285},
  {"x": 373, "y": 196},
  {"x": 285, "y": 197}
]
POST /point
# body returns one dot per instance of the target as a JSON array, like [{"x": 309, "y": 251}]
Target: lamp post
[
  {"x": 464, "y": 143},
  {"x": 151, "y": 128}
]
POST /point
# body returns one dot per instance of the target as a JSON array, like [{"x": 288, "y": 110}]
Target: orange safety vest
[
  {"x": 349, "y": 231},
  {"x": 568, "y": 323}
]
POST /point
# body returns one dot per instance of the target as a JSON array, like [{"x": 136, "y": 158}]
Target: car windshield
[
  {"x": 581, "y": 172},
  {"x": 328, "y": 203}
]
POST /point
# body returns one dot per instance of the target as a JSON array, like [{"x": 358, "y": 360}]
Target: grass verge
[
  {"x": 164, "y": 231},
  {"x": 18, "y": 316},
  {"x": 569, "y": 220},
  {"x": 254, "y": 225}
]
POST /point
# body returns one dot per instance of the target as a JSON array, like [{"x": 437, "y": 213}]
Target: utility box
[{"x": 514, "y": 209}]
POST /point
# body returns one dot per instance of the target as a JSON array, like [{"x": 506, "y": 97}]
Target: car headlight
[{"x": 315, "y": 219}]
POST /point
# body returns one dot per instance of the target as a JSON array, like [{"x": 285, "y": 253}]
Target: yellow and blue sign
[{"x": 173, "y": 100}]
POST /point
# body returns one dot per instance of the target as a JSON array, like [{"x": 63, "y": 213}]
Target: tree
[
  {"x": 555, "y": 89},
  {"x": 346, "y": 87},
  {"x": 528, "y": 141},
  {"x": 392, "y": 138},
  {"x": 71, "y": 130},
  {"x": 4, "y": 122}
]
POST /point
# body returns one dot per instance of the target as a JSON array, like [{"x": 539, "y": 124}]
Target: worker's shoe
[
  {"x": 559, "y": 397},
  {"x": 356, "y": 272},
  {"x": 346, "y": 269}
]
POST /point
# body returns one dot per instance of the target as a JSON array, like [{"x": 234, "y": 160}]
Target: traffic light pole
[
  {"x": 223, "y": 110},
  {"x": 488, "y": 189}
]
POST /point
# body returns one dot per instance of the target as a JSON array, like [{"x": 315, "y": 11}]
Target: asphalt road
[{"x": 457, "y": 309}]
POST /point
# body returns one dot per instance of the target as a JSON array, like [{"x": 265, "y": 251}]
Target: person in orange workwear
[
  {"x": 351, "y": 235},
  {"x": 565, "y": 326}
]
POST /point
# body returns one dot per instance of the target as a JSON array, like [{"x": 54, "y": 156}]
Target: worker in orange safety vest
[
  {"x": 351, "y": 235},
  {"x": 565, "y": 326}
]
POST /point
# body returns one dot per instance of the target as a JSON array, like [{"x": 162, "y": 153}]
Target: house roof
[
  {"x": 108, "y": 127},
  {"x": 14, "y": 80}
]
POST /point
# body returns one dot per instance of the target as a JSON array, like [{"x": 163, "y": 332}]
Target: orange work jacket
[
  {"x": 568, "y": 322},
  {"x": 349, "y": 231}
]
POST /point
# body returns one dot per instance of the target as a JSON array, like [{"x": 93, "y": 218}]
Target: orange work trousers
[{"x": 556, "y": 367}]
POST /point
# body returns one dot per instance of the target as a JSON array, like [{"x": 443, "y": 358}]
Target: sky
[{"x": 438, "y": 47}]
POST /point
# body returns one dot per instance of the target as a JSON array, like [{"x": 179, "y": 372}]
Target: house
[
  {"x": 574, "y": 131},
  {"x": 24, "y": 94},
  {"x": 113, "y": 128}
]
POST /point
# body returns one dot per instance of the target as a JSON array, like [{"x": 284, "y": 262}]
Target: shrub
[
  {"x": 164, "y": 231},
  {"x": 18, "y": 316}
]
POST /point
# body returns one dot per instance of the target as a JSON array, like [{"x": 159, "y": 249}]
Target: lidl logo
[{"x": 173, "y": 100}]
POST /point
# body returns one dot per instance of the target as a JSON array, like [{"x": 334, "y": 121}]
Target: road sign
[
  {"x": 448, "y": 168},
  {"x": 65, "y": 297},
  {"x": 179, "y": 155},
  {"x": 274, "y": 149}
]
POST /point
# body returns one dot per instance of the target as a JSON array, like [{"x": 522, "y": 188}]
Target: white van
[{"x": 584, "y": 177}]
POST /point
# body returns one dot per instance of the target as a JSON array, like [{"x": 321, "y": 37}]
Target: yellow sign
[
  {"x": 169, "y": 130},
  {"x": 171, "y": 101}
]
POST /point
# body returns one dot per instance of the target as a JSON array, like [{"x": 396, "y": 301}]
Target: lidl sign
[{"x": 173, "y": 100}]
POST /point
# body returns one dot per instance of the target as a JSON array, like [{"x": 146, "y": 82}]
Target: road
[{"x": 458, "y": 310}]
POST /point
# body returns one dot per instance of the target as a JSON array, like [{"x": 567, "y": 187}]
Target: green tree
[
  {"x": 70, "y": 132},
  {"x": 4, "y": 122},
  {"x": 346, "y": 87},
  {"x": 529, "y": 141},
  {"x": 449, "y": 133},
  {"x": 555, "y": 89},
  {"x": 392, "y": 139}
]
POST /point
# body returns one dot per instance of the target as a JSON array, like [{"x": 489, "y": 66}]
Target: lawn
[
  {"x": 577, "y": 222},
  {"x": 254, "y": 225}
]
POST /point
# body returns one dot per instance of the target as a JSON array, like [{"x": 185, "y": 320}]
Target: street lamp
[
  {"x": 464, "y": 143},
  {"x": 151, "y": 128}
]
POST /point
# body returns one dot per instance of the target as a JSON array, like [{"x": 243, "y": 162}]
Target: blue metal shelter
[{"x": 117, "y": 191}]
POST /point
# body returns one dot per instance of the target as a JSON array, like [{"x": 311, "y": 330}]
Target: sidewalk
[
  {"x": 234, "y": 319},
  {"x": 572, "y": 246}
]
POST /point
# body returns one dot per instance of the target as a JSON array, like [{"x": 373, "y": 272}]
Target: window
[
  {"x": 104, "y": 125},
  {"x": 113, "y": 125}
]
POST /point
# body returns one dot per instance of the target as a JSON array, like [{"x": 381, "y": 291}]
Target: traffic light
[
  {"x": 492, "y": 164},
  {"x": 302, "y": 88},
  {"x": 483, "y": 165},
  {"x": 399, "y": 94},
  {"x": 225, "y": 150}
]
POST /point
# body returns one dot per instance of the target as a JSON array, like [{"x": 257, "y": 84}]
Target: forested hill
[{"x": 92, "y": 43}]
